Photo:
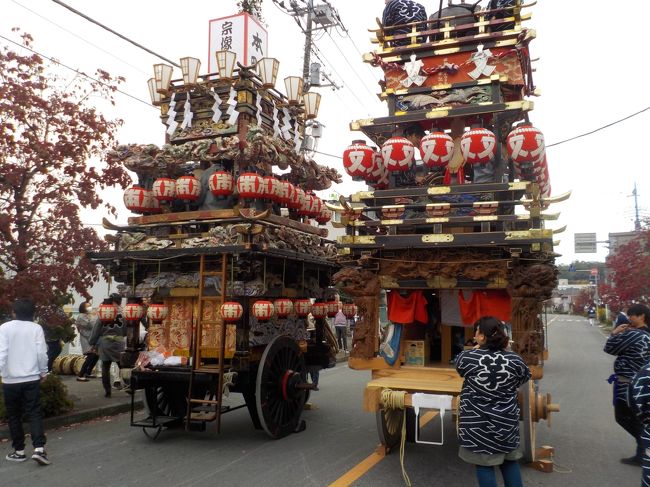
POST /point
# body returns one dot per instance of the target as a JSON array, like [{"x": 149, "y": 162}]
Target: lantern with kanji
[
  {"x": 154, "y": 203},
  {"x": 272, "y": 190},
  {"x": 133, "y": 309},
  {"x": 525, "y": 144},
  {"x": 436, "y": 149},
  {"x": 157, "y": 312},
  {"x": 324, "y": 217},
  {"x": 349, "y": 310},
  {"x": 332, "y": 308},
  {"x": 305, "y": 203},
  {"x": 107, "y": 311},
  {"x": 297, "y": 198},
  {"x": 478, "y": 146},
  {"x": 231, "y": 311},
  {"x": 319, "y": 310},
  {"x": 263, "y": 310},
  {"x": 377, "y": 168},
  {"x": 164, "y": 189},
  {"x": 188, "y": 188},
  {"x": 398, "y": 154},
  {"x": 315, "y": 206},
  {"x": 250, "y": 186},
  {"x": 383, "y": 182},
  {"x": 302, "y": 307},
  {"x": 286, "y": 192},
  {"x": 283, "y": 307},
  {"x": 221, "y": 183},
  {"x": 358, "y": 159},
  {"x": 136, "y": 199}
]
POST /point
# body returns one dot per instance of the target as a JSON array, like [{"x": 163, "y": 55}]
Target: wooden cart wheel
[
  {"x": 162, "y": 402},
  {"x": 280, "y": 392},
  {"x": 529, "y": 427},
  {"x": 389, "y": 426},
  {"x": 152, "y": 436}
]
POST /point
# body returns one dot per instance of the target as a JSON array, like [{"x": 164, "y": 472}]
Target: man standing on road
[
  {"x": 340, "y": 325},
  {"x": 23, "y": 364}
]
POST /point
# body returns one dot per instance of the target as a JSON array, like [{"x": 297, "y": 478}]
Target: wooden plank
[
  {"x": 374, "y": 363},
  {"x": 183, "y": 216},
  {"x": 372, "y": 398},
  {"x": 445, "y": 335},
  {"x": 303, "y": 227},
  {"x": 441, "y": 385}
]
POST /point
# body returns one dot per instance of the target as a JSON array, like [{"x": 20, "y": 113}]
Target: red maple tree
[
  {"x": 51, "y": 144},
  {"x": 629, "y": 273}
]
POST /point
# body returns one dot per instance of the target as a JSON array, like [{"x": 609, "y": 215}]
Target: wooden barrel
[
  {"x": 66, "y": 364},
  {"x": 56, "y": 365},
  {"x": 78, "y": 363}
]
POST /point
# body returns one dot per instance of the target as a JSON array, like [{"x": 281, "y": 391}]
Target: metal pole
[
  {"x": 596, "y": 298},
  {"x": 306, "y": 59}
]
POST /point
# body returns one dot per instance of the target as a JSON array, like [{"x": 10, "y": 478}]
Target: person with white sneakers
[{"x": 23, "y": 365}]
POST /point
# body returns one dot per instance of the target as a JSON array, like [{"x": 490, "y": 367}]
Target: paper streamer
[
  {"x": 187, "y": 113},
  {"x": 233, "y": 114},
  {"x": 258, "y": 112},
  {"x": 286, "y": 124},
  {"x": 276, "y": 122},
  {"x": 216, "y": 117},
  {"x": 172, "y": 124}
]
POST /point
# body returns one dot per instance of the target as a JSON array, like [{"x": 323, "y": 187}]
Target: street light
[
  {"x": 190, "y": 67},
  {"x": 293, "y": 84},
  {"x": 162, "y": 73},
  {"x": 267, "y": 69},
  {"x": 226, "y": 63}
]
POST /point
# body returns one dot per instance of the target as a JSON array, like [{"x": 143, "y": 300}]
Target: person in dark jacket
[
  {"x": 398, "y": 12},
  {"x": 488, "y": 418},
  {"x": 631, "y": 345},
  {"x": 639, "y": 403},
  {"x": 109, "y": 337}
]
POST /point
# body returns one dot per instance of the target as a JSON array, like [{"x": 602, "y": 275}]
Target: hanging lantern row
[
  {"x": 140, "y": 200},
  {"x": 263, "y": 310},
  {"x": 526, "y": 148}
]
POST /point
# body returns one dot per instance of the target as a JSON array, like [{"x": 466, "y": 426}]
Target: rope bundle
[{"x": 393, "y": 401}]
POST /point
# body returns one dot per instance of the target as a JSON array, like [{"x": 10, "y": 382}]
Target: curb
[{"x": 77, "y": 417}]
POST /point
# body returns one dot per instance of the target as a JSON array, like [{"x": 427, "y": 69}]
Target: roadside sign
[{"x": 584, "y": 243}]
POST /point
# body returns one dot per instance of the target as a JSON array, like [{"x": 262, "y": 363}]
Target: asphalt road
[{"x": 340, "y": 435}]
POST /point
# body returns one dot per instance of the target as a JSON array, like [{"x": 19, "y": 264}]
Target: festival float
[
  {"x": 226, "y": 250},
  {"x": 453, "y": 225}
]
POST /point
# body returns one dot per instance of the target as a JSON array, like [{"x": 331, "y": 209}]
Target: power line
[
  {"x": 77, "y": 12},
  {"x": 79, "y": 37},
  {"x": 77, "y": 71},
  {"x": 600, "y": 128}
]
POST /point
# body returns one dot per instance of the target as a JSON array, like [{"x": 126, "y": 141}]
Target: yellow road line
[{"x": 363, "y": 467}]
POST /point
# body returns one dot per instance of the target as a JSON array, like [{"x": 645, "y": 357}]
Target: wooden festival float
[
  {"x": 226, "y": 256},
  {"x": 460, "y": 235}
]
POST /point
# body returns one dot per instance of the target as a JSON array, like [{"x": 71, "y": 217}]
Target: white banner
[{"x": 241, "y": 34}]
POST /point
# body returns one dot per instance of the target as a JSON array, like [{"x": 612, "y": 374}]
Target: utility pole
[
  {"x": 306, "y": 58},
  {"x": 637, "y": 222}
]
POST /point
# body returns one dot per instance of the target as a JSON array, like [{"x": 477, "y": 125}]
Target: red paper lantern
[
  {"x": 107, "y": 311},
  {"x": 157, "y": 312},
  {"x": 164, "y": 189},
  {"x": 305, "y": 203},
  {"x": 349, "y": 310},
  {"x": 377, "y": 168},
  {"x": 383, "y": 182},
  {"x": 188, "y": 188},
  {"x": 263, "y": 310},
  {"x": 271, "y": 188},
  {"x": 302, "y": 307},
  {"x": 436, "y": 149},
  {"x": 287, "y": 191},
  {"x": 136, "y": 199},
  {"x": 133, "y": 311},
  {"x": 525, "y": 144},
  {"x": 283, "y": 307},
  {"x": 221, "y": 183},
  {"x": 250, "y": 186},
  {"x": 324, "y": 217},
  {"x": 358, "y": 159},
  {"x": 153, "y": 204},
  {"x": 319, "y": 310},
  {"x": 332, "y": 308},
  {"x": 297, "y": 199},
  {"x": 478, "y": 146},
  {"x": 398, "y": 154},
  {"x": 231, "y": 311},
  {"x": 315, "y": 207}
]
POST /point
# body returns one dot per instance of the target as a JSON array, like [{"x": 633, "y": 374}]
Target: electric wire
[
  {"x": 59, "y": 63},
  {"x": 81, "y": 38}
]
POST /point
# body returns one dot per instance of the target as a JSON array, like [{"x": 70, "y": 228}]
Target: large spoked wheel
[
  {"x": 389, "y": 426},
  {"x": 529, "y": 426},
  {"x": 280, "y": 391},
  {"x": 163, "y": 403}
]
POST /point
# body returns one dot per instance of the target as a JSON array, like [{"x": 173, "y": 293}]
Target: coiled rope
[{"x": 393, "y": 401}]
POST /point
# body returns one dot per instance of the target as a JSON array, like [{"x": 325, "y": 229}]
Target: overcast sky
[{"x": 590, "y": 73}]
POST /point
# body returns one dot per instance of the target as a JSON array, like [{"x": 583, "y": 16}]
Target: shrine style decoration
[
  {"x": 250, "y": 185},
  {"x": 188, "y": 188},
  {"x": 478, "y": 146},
  {"x": 358, "y": 159},
  {"x": 157, "y": 312},
  {"x": 164, "y": 189},
  {"x": 231, "y": 311},
  {"x": 302, "y": 307},
  {"x": 107, "y": 311},
  {"x": 319, "y": 310},
  {"x": 436, "y": 149},
  {"x": 221, "y": 183},
  {"x": 398, "y": 154},
  {"x": 263, "y": 310},
  {"x": 283, "y": 307}
]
